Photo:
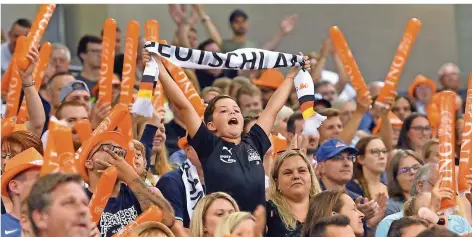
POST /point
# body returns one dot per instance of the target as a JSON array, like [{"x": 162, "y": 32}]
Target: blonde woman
[
  {"x": 236, "y": 224},
  {"x": 292, "y": 184},
  {"x": 208, "y": 213},
  {"x": 151, "y": 229}
]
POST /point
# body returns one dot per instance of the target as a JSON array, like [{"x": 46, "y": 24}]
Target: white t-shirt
[
  {"x": 348, "y": 92},
  {"x": 6, "y": 56}
]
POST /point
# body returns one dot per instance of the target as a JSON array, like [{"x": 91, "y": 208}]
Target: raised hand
[
  {"x": 177, "y": 12},
  {"x": 369, "y": 208},
  {"x": 32, "y": 56},
  {"x": 364, "y": 101},
  {"x": 288, "y": 23}
]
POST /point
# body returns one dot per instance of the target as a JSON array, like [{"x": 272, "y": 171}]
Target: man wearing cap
[
  {"x": 335, "y": 169},
  {"x": 71, "y": 112},
  {"x": 183, "y": 188},
  {"x": 76, "y": 90},
  {"x": 20, "y": 174}
]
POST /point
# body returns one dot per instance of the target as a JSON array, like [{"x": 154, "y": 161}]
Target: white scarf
[
  {"x": 193, "y": 187},
  {"x": 240, "y": 59}
]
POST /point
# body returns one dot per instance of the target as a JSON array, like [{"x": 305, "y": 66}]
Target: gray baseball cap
[{"x": 70, "y": 87}]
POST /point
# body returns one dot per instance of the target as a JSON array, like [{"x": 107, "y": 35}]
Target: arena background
[{"x": 373, "y": 31}]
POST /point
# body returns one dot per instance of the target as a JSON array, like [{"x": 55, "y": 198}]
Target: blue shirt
[
  {"x": 10, "y": 226},
  {"x": 455, "y": 223},
  {"x": 178, "y": 158},
  {"x": 367, "y": 123},
  {"x": 173, "y": 189}
]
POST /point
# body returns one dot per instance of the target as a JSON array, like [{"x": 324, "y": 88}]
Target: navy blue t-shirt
[
  {"x": 119, "y": 211},
  {"x": 10, "y": 226},
  {"x": 234, "y": 169},
  {"x": 173, "y": 189}
]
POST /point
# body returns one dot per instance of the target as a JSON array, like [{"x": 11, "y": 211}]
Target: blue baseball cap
[{"x": 331, "y": 148}]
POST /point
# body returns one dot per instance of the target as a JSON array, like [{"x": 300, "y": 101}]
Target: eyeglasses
[
  {"x": 421, "y": 128},
  {"x": 378, "y": 152},
  {"x": 119, "y": 151},
  {"x": 8, "y": 155},
  {"x": 411, "y": 169},
  {"x": 342, "y": 158}
]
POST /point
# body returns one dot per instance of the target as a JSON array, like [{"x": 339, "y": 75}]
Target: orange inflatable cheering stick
[
  {"x": 143, "y": 104},
  {"x": 15, "y": 82},
  {"x": 107, "y": 60},
  {"x": 102, "y": 193},
  {"x": 51, "y": 162},
  {"x": 446, "y": 105},
  {"x": 466, "y": 156},
  {"x": 129, "y": 64},
  {"x": 153, "y": 213},
  {"x": 350, "y": 65},
  {"x": 37, "y": 30},
  {"x": 185, "y": 84},
  {"x": 83, "y": 127},
  {"x": 38, "y": 74},
  {"x": 399, "y": 61}
]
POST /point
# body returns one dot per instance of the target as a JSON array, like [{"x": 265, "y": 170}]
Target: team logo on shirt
[
  {"x": 252, "y": 155},
  {"x": 226, "y": 154}
]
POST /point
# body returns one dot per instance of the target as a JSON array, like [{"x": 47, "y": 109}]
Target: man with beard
[{"x": 71, "y": 112}]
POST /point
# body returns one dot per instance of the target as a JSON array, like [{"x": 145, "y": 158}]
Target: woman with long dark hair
[{"x": 415, "y": 131}]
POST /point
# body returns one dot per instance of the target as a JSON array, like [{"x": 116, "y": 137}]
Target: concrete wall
[{"x": 373, "y": 31}]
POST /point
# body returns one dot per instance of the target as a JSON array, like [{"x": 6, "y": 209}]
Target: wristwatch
[{"x": 26, "y": 85}]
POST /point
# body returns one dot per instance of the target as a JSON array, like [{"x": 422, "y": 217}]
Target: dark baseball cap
[
  {"x": 236, "y": 13},
  {"x": 331, "y": 148},
  {"x": 75, "y": 85}
]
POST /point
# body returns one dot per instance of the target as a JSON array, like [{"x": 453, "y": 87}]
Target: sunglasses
[
  {"x": 119, "y": 151},
  {"x": 8, "y": 155}
]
